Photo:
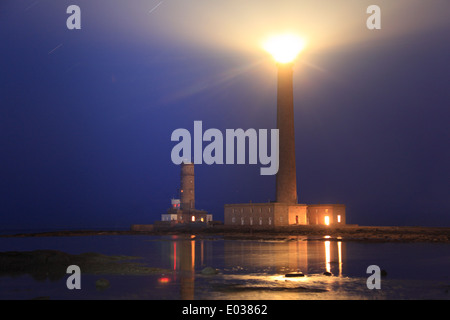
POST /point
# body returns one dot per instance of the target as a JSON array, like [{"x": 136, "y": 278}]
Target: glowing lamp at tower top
[{"x": 284, "y": 48}]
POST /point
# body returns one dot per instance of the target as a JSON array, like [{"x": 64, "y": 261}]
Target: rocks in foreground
[
  {"x": 209, "y": 271},
  {"x": 294, "y": 275},
  {"x": 102, "y": 284},
  {"x": 52, "y": 264}
]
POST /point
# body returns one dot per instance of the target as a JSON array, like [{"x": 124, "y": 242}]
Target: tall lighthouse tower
[{"x": 286, "y": 181}]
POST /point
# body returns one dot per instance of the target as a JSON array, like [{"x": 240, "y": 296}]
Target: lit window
[
  {"x": 339, "y": 218},
  {"x": 327, "y": 220},
  {"x": 201, "y": 219},
  {"x": 193, "y": 218}
]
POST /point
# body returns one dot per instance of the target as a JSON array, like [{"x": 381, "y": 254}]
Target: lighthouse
[{"x": 286, "y": 180}]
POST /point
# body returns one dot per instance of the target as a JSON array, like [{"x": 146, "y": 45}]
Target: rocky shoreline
[{"x": 307, "y": 233}]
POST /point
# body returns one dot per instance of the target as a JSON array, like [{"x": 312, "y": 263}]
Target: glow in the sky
[{"x": 284, "y": 48}]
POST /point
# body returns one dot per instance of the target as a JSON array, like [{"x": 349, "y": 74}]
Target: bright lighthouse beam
[{"x": 284, "y": 48}]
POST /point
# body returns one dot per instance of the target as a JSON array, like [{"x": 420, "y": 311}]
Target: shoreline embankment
[{"x": 328, "y": 233}]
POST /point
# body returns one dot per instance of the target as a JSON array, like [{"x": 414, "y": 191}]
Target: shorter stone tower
[{"x": 187, "y": 191}]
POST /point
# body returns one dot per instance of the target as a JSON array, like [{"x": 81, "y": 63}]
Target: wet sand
[{"x": 347, "y": 233}]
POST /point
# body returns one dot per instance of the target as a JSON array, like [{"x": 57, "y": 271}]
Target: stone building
[
  {"x": 278, "y": 214},
  {"x": 265, "y": 214},
  {"x": 326, "y": 214}
]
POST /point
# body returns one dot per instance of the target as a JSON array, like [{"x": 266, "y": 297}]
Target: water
[{"x": 247, "y": 269}]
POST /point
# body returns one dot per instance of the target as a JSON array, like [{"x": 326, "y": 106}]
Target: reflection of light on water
[
  {"x": 174, "y": 255},
  {"x": 339, "y": 244},
  {"x": 164, "y": 280},
  {"x": 257, "y": 269},
  {"x": 201, "y": 252},
  {"x": 193, "y": 253},
  {"x": 328, "y": 260},
  {"x": 327, "y": 256},
  {"x": 269, "y": 286}
]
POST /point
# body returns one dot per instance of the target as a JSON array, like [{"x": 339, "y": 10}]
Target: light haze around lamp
[{"x": 284, "y": 48}]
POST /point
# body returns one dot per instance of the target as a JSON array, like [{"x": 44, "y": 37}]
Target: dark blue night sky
[{"x": 86, "y": 115}]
